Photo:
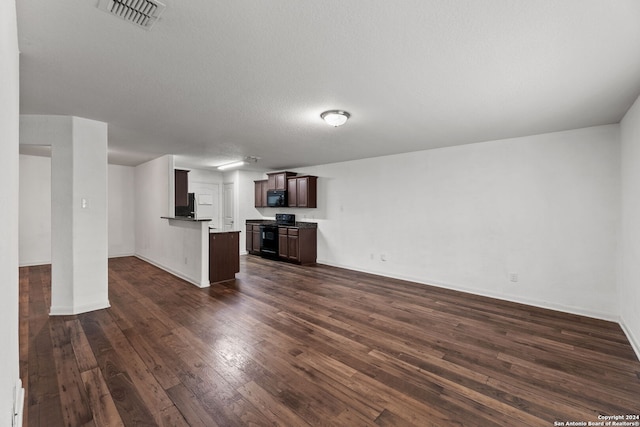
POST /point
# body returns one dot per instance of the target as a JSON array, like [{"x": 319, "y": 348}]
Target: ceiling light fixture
[
  {"x": 335, "y": 118},
  {"x": 231, "y": 165}
]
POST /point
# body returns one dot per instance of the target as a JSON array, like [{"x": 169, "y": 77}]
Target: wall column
[{"x": 79, "y": 245}]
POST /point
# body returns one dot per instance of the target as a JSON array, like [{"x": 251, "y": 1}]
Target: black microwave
[{"x": 277, "y": 198}]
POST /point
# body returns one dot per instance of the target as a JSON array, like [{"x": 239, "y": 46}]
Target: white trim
[
  {"x": 47, "y": 262},
  {"x": 635, "y": 343},
  {"x": 18, "y": 404},
  {"x": 34, "y": 263},
  {"x": 85, "y": 308},
  {"x": 204, "y": 284},
  {"x": 123, "y": 255},
  {"x": 510, "y": 298}
]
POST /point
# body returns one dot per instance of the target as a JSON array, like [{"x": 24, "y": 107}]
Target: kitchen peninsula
[{"x": 220, "y": 250}]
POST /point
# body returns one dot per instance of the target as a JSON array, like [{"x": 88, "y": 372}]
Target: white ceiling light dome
[{"x": 335, "y": 117}]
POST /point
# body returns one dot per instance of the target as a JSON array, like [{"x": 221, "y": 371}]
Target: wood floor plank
[
  {"x": 189, "y": 405},
  {"x": 132, "y": 368},
  {"x": 272, "y": 411},
  {"x": 81, "y": 349},
  {"x": 73, "y": 397},
  {"x": 103, "y": 407},
  {"x": 172, "y": 417},
  {"x": 130, "y": 404},
  {"x": 290, "y": 345}
]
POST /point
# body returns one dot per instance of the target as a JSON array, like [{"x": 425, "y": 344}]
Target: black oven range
[{"x": 269, "y": 235}]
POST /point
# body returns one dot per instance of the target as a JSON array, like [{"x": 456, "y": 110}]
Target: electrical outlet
[
  {"x": 18, "y": 405},
  {"x": 513, "y": 277}
]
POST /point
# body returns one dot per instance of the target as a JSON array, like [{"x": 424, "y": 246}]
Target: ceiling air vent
[{"x": 143, "y": 13}]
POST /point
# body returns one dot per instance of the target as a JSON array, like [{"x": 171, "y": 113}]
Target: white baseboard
[
  {"x": 85, "y": 308},
  {"x": 204, "y": 284},
  {"x": 18, "y": 405},
  {"x": 34, "y": 263},
  {"x": 121, "y": 255},
  {"x": 510, "y": 298},
  {"x": 633, "y": 340},
  {"x": 46, "y": 262}
]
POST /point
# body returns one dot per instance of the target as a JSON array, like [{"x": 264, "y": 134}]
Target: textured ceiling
[{"x": 216, "y": 81}]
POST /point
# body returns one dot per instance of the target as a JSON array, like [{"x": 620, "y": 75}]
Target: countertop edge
[
  {"x": 298, "y": 224},
  {"x": 185, "y": 218}
]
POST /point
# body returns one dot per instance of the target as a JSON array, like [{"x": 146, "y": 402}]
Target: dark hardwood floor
[{"x": 320, "y": 346}]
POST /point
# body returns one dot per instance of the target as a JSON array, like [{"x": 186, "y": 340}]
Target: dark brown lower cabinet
[
  {"x": 253, "y": 239},
  {"x": 224, "y": 256},
  {"x": 297, "y": 244}
]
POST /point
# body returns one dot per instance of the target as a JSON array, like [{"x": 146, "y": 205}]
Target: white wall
[
  {"x": 245, "y": 207},
  {"x": 629, "y": 283},
  {"x": 202, "y": 181},
  {"x": 121, "y": 210},
  {"x": 544, "y": 207},
  {"x": 35, "y": 210},
  {"x": 179, "y": 247},
  {"x": 79, "y": 238},
  {"x": 9, "y": 125},
  {"x": 203, "y": 175}
]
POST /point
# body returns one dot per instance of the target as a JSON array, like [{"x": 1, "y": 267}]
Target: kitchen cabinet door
[
  {"x": 181, "y": 187},
  {"x": 256, "y": 239},
  {"x": 292, "y": 192},
  {"x": 260, "y": 195},
  {"x": 307, "y": 192},
  {"x": 249, "y": 238},
  {"x": 302, "y": 191},
  {"x": 293, "y": 247},
  {"x": 283, "y": 242},
  {"x": 224, "y": 261},
  {"x": 278, "y": 180}
]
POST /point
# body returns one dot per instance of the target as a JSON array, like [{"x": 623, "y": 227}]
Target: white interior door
[
  {"x": 228, "y": 217},
  {"x": 207, "y": 201}
]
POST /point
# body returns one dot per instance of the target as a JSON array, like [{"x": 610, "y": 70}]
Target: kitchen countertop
[
  {"x": 221, "y": 231},
  {"x": 186, "y": 218},
  {"x": 298, "y": 224}
]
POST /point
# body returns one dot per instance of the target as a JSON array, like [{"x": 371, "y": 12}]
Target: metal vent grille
[{"x": 143, "y": 13}]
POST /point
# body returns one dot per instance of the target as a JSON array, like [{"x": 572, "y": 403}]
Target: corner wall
[
  {"x": 9, "y": 125},
  {"x": 545, "y": 207},
  {"x": 179, "y": 247},
  {"x": 35, "y": 210},
  {"x": 121, "y": 215},
  {"x": 245, "y": 206},
  {"x": 629, "y": 282}
]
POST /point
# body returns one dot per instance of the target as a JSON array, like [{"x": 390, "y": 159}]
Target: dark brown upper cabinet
[
  {"x": 278, "y": 180},
  {"x": 261, "y": 193},
  {"x": 181, "y": 184},
  {"x": 302, "y": 191}
]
